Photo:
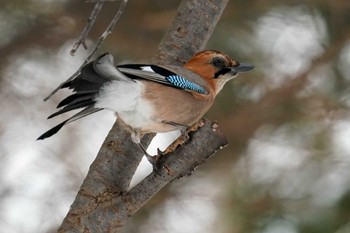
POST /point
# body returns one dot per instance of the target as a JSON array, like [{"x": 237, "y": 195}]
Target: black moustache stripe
[{"x": 222, "y": 72}]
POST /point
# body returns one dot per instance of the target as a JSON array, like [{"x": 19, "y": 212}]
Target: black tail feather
[
  {"x": 52, "y": 131},
  {"x": 72, "y": 107},
  {"x": 66, "y": 84},
  {"x": 83, "y": 113},
  {"x": 77, "y": 97},
  {"x": 85, "y": 86},
  {"x": 87, "y": 80}
]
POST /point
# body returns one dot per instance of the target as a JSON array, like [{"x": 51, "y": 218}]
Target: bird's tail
[
  {"x": 85, "y": 112},
  {"x": 85, "y": 87}
]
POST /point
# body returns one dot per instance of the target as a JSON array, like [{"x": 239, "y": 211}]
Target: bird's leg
[
  {"x": 136, "y": 137},
  {"x": 184, "y": 135},
  {"x": 149, "y": 157},
  {"x": 153, "y": 159},
  {"x": 180, "y": 140},
  {"x": 182, "y": 128}
]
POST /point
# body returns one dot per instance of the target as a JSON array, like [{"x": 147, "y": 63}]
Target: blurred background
[{"x": 287, "y": 166}]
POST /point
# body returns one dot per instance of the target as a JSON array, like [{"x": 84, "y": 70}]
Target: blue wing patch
[{"x": 183, "y": 83}]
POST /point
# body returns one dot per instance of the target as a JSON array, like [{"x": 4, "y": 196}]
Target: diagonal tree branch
[
  {"x": 104, "y": 203},
  {"x": 190, "y": 31},
  {"x": 107, "y": 209}
]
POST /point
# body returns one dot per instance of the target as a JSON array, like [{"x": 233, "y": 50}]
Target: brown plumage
[{"x": 150, "y": 98}]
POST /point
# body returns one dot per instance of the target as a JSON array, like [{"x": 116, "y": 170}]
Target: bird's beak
[
  {"x": 232, "y": 71},
  {"x": 242, "y": 67}
]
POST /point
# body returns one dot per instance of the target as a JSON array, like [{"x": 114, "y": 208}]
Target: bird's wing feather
[
  {"x": 104, "y": 66},
  {"x": 135, "y": 72},
  {"x": 102, "y": 70},
  {"x": 178, "y": 78}
]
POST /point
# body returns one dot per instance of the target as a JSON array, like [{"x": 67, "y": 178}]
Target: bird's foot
[
  {"x": 155, "y": 160},
  {"x": 195, "y": 126},
  {"x": 184, "y": 137},
  {"x": 158, "y": 159}
]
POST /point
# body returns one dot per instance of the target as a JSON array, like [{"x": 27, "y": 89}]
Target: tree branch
[
  {"x": 190, "y": 31},
  {"x": 108, "y": 209},
  {"x": 103, "y": 203},
  {"x": 90, "y": 22},
  {"x": 99, "y": 42}
]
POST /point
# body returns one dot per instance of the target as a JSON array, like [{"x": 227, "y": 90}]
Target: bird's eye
[{"x": 218, "y": 62}]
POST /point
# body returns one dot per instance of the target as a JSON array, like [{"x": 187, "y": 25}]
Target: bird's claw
[{"x": 156, "y": 161}]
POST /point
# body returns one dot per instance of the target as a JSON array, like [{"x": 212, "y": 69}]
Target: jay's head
[{"x": 216, "y": 67}]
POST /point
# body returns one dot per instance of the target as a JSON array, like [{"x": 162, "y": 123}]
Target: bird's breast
[
  {"x": 146, "y": 105},
  {"x": 141, "y": 117},
  {"x": 175, "y": 105}
]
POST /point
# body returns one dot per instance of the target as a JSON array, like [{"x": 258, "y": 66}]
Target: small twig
[
  {"x": 97, "y": 44},
  {"x": 108, "y": 30},
  {"x": 90, "y": 22}
]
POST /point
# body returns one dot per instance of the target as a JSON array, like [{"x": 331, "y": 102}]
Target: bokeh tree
[{"x": 286, "y": 168}]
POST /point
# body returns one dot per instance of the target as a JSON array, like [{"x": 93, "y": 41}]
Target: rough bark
[
  {"x": 190, "y": 31},
  {"x": 104, "y": 203}
]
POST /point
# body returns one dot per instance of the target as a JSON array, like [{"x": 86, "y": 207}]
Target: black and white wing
[{"x": 182, "y": 78}]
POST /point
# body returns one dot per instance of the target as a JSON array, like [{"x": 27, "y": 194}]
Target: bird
[{"x": 149, "y": 98}]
